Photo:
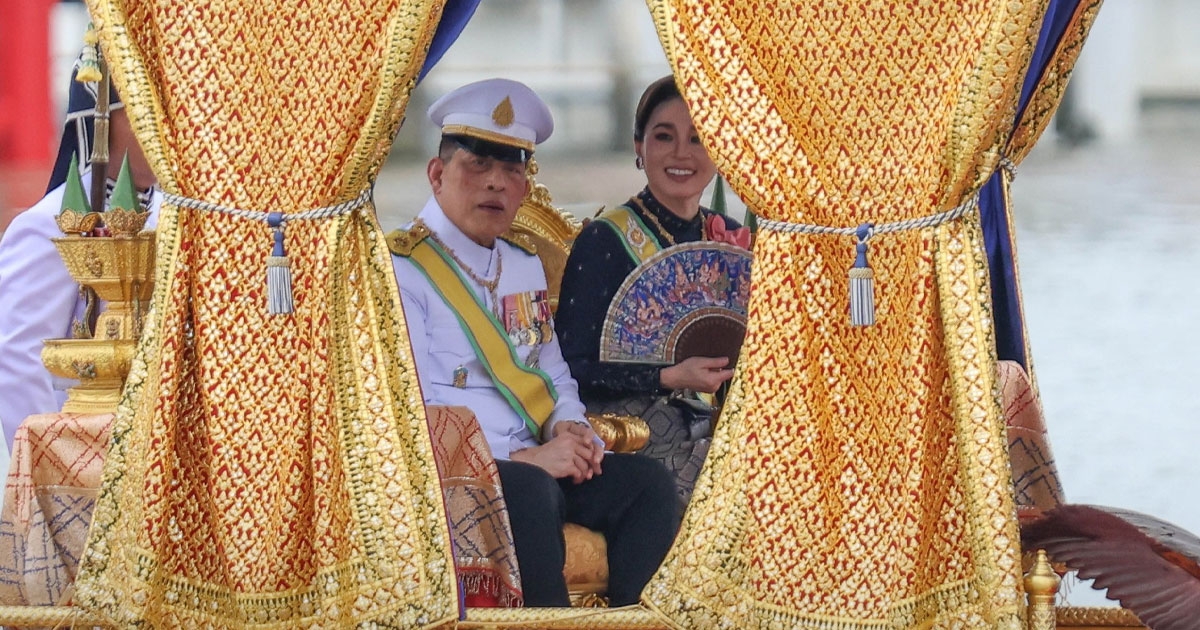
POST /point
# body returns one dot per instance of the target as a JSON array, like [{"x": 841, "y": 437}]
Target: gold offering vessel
[
  {"x": 117, "y": 271},
  {"x": 120, "y": 269}
]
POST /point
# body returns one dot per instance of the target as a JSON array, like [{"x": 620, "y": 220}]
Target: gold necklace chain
[
  {"x": 662, "y": 230},
  {"x": 532, "y": 359},
  {"x": 490, "y": 285}
]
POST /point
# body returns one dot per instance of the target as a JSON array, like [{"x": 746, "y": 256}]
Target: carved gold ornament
[
  {"x": 120, "y": 270},
  {"x": 503, "y": 114}
]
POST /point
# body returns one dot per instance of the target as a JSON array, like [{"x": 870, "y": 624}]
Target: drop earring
[{"x": 639, "y": 163}]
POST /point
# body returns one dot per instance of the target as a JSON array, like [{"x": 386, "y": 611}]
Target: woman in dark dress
[{"x": 666, "y": 212}]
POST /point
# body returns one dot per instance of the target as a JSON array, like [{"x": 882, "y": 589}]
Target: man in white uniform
[
  {"x": 38, "y": 298},
  {"x": 482, "y": 337}
]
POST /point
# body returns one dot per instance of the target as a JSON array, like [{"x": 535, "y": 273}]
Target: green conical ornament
[
  {"x": 125, "y": 216},
  {"x": 74, "y": 199},
  {"x": 123, "y": 196},
  {"x": 76, "y": 216},
  {"x": 718, "y": 198}
]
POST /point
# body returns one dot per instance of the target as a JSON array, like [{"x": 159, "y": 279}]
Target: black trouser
[{"x": 632, "y": 503}]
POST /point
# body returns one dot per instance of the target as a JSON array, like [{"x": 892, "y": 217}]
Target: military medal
[
  {"x": 636, "y": 237},
  {"x": 526, "y": 318},
  {"x": 460, "y": 377}
]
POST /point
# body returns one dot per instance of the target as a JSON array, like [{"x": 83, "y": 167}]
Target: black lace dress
[{"x": 597, "y": 266}]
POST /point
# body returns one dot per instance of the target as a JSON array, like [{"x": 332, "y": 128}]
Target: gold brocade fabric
[
  {"x": 49, "y": 493},
  {"x": 55, "y": 477},
  {"x": 1036, "y": 486},
  {"x": 858, "y": 477},
  {"x": 484, "y": 555},
  {"x": 269, "y": 471}
]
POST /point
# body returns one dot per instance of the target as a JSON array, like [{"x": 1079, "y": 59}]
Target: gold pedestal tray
[
  {"x": 120, "y": 269},
  {"x": 101, "y": 366}
]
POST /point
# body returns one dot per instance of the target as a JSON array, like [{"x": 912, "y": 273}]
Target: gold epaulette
[
  {"x": 402, "y": 242},
  {"x": 521, "y": 241}
]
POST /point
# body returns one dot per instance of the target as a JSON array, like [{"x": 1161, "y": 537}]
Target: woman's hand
[
  {"x": 568, "y": 454},
  {"x": 699, "y": 374}
]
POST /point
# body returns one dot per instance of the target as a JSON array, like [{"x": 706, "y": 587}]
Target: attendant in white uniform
[
  {"x": 38, "y": 298},
  {"x": 482, "y": 337}
]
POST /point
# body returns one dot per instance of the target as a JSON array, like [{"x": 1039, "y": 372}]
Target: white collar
[{"x": 478, "y": 257}]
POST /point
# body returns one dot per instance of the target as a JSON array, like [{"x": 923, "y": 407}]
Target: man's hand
[
  {"x": 699, "y": 374},
  {"x": 571, "y": 453},
  {"x": 584, "y": 432}
]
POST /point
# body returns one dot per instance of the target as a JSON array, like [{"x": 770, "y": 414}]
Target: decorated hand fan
[{"x": 687, "y": 300}]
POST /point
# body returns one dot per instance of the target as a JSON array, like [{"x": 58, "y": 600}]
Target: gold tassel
[{"x": 89, "y": 60}]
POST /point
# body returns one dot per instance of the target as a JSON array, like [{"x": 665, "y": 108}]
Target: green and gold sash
[
  {"x": 639, "y": 240},
  {"x": 528, "y": 390}
]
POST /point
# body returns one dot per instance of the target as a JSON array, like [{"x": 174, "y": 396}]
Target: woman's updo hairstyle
[{"x": 656, "y": 94}]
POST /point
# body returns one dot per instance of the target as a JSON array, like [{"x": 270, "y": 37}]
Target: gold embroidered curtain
[
  {"x": 269, "y": 470},
  {"x": 858, "y": 477}
]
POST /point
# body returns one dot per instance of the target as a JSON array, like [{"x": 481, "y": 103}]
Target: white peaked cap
[{"x": 495, "y": 110}]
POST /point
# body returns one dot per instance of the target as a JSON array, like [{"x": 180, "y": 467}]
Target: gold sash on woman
[{"x": 639, "y": 240}]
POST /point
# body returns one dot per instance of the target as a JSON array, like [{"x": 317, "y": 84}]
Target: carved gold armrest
[{"x": 621, "y": 434}]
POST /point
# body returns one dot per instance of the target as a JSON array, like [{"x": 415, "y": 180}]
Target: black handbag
[{"x": 698, "y": 415}]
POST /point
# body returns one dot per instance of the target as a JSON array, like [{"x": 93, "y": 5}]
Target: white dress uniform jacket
[
  {"x": 440, "y": 347},
  {"x": 38, "y": 300}
]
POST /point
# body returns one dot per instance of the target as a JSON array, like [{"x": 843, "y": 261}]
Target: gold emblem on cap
[{"x": 503, "y": 114}]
